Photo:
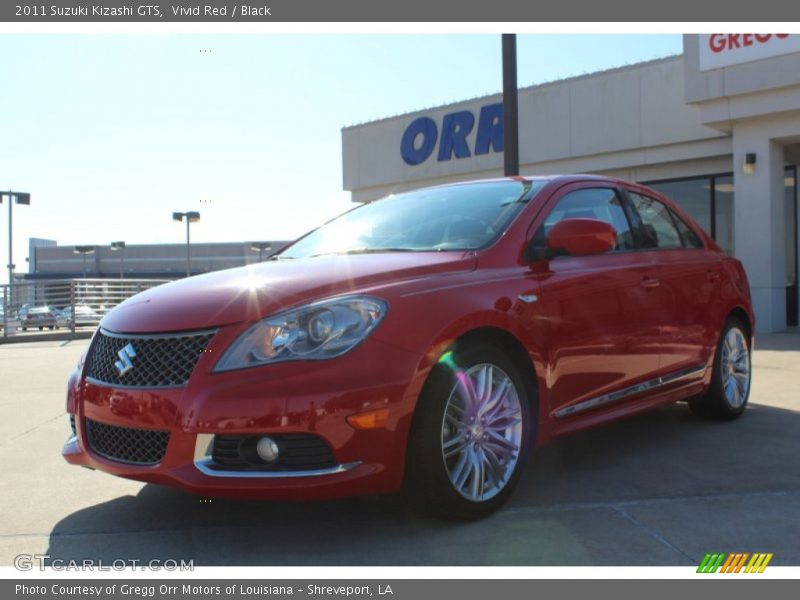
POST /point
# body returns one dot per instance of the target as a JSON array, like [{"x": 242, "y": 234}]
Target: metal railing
[{"x": 73, "y": 304}]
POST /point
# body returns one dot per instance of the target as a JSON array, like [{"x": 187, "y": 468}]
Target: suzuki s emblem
[{"x": 125, "y": 362}]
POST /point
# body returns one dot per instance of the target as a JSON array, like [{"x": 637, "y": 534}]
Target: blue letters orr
[{"x": 420, "y": 137}]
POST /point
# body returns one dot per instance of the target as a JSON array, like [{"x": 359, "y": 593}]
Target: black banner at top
[{"x": 150, "y": 11}]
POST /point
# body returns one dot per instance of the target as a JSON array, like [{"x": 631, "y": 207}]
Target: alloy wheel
[
  {"x": 735, "y": 365},
  {"x": 481, "y": 432}
]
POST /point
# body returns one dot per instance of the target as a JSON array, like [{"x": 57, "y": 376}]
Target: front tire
[
  {"x": 726, "y": 398},
  {"x": 470, "y": 434}
]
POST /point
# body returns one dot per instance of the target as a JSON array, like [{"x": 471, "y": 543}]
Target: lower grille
[
  {"x": 297, "y": 452},
  {"x": 72, "y": 425},
  {"x": 126, "y": 444}
]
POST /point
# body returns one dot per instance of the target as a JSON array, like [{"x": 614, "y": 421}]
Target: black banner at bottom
[{"x": 393, "y": 589}]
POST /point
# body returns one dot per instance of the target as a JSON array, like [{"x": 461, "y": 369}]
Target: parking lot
[{"x": 660, "y": 489}]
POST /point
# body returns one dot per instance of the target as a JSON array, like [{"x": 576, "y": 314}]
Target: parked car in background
[
  {"x": 426, "y": 341},
  {"x": 85, "y": 316},
  {"x": 37, "y": 317}
]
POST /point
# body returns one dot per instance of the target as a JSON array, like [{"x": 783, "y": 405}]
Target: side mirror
[{"x": 582, "y": 237}]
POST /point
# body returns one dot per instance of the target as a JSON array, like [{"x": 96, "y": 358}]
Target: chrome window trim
[
  {"x": 205, "y": 464},
  {"x": 687, "y": 373}
]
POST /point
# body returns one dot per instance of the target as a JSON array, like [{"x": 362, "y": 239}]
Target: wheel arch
[
  {"x": 740, "y": 313},
  {"x": 505, "y": 340}
]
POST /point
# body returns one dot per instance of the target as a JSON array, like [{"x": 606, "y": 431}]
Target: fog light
[{"x": 267, "y": 449}]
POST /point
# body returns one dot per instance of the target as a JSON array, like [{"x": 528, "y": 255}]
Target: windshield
[{"x": 458, "y": 217}]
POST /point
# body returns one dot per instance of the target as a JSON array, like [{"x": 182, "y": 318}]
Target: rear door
[
  {"x": 593, "y": 313},
  {"x": 689, "y": 275}
]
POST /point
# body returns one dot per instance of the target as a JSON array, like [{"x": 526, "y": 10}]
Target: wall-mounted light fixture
[{"x": 749, "y": 166}]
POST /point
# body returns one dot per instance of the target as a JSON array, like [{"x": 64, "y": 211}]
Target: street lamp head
[
  {"x": 260, "y": 246},
  {"x": 84, "y": 250},
  {"x": 191, "y": 216},
  {"x": 19, "y": 197}
]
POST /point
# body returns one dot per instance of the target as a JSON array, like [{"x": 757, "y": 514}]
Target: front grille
[
  {"x": 159, "y": 361},
  {"x": 126, "y": 444},
  {"x": 297, "y": 452}
]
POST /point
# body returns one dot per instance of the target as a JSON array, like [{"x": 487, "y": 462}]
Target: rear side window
[
  {"x": 689, "y": 237},
  {"x": 658, "y": 228},
  {"x": 602, "y": 204}
]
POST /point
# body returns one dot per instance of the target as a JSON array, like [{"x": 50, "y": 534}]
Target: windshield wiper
[
  {"x": 370, "y": 251},
  {"x": 378, "y": 250}
]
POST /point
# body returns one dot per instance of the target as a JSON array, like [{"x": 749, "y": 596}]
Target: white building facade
[{"x": 717, "y": 129}]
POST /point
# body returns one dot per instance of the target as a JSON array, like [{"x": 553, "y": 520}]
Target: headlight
[{"x": 317, "y": 331}]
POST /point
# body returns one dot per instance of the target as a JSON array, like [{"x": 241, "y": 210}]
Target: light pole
[
  {"x": 260, "y": 247},
  {"x": 510, "y": 112},
  {"x": 120, "y": 246},
  {"x": 84, "y": 251},
  {"x": 191, "y": 217},
  {"x": 19, "y": 198}
]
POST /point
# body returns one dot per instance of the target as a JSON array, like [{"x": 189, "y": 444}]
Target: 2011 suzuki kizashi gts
[{"x": 430, "y": 338}]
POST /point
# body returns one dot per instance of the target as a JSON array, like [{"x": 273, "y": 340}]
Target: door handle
[
  {"x": 712, "y": 275},
  {"x": 650, "y": 282}
]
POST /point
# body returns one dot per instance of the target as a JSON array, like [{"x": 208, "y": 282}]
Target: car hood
[{"x": 256, "y": 291}]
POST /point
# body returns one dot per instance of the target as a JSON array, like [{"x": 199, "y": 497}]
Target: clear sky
[{"x": 111, "y": 133}]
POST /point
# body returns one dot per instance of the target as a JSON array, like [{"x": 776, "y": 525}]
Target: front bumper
[{"x": 289, "y": 398}]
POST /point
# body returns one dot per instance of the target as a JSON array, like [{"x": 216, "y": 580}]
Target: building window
[{"x": 722, "y": 203}]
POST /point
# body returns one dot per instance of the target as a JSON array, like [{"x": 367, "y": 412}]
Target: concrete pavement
[{"x": 659, "y": 489}]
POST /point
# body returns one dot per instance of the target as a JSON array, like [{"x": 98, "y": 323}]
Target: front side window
[
  {"x": 457, "y": 217},
  {"x": 602, "y": 204},
  {"x": 658, "y": 228}
]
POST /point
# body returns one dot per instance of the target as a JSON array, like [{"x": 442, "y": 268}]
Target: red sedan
[{"x": 428, "y": 340}]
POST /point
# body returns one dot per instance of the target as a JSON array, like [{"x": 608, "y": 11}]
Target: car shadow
[{"x": 664, "y": 454}]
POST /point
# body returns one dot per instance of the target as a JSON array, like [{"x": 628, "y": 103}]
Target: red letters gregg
[{"x": 722, "y": 42}]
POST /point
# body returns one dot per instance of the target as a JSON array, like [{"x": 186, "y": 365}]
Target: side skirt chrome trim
[
  {"x": 204, "y": 463},
  {"x": 687, "y": 373}
]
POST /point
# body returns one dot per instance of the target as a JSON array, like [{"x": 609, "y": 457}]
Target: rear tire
[
  {"x": 726, "y": 398},
  {"x": 471, "y": 432}
]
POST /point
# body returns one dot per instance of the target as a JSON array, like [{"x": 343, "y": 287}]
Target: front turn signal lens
[{"x": 372, "y": 419}]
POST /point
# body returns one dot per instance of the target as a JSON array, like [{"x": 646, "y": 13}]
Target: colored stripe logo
[{"x": 735, "y": 562}]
